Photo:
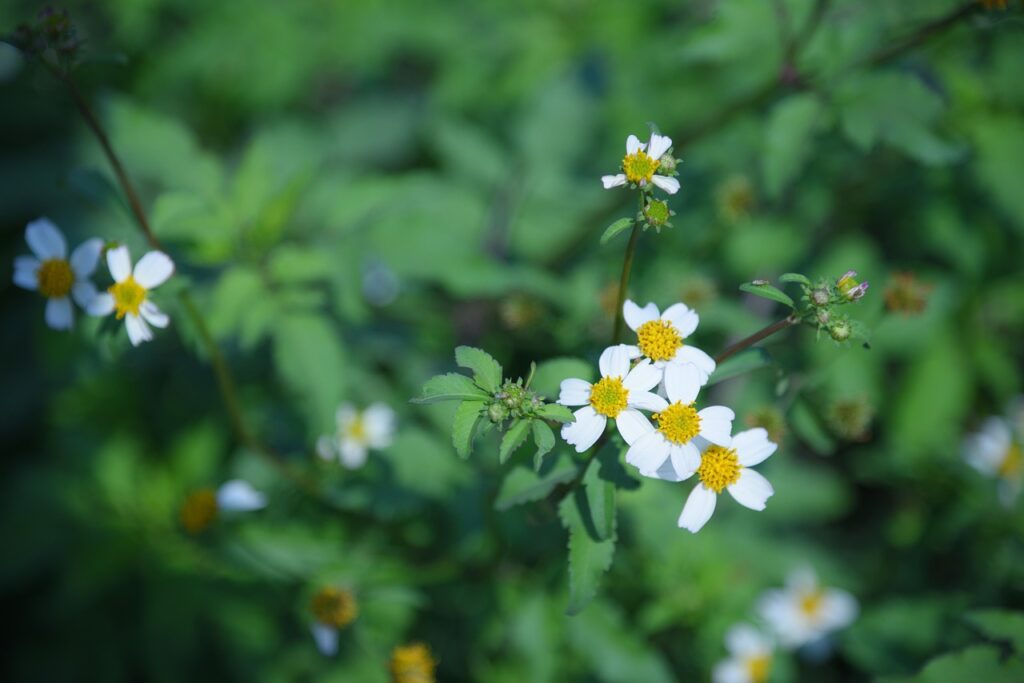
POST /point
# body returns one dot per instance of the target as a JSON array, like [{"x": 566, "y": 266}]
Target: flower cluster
[{"x": 997, "y": 450}]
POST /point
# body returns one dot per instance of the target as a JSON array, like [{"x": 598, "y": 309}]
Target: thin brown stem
[
  {"x": 764, "y": 333},
  {"x": 627, "y": 267}
]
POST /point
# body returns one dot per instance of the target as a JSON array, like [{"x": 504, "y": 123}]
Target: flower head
[
  {"x": 333, "y": 609},
  {"x": 201, "y": 508},
  {"x": 357, "y": 432},
  {"x": 661, "y": 337},
  {"x": 128, "y": 297},
  {"x": 412, "y": 663},
  {"x": 804, "y": 611},
  {"x": 850, "y": 287},
  {"x": 997, "y": 452},
  {"x": 54, "y": 275},
  {"x": 641, "y": 163},
  {"x": 750, "y": 656},
  {"x": 906, "y": 294}
]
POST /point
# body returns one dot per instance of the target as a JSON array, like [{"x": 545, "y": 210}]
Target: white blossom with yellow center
[
  {"x": 640, "y": 165},
  {"x": 804, "y": 611},
  {"x": 620, "y": 394},
  {"x": 662, "y": 336},
  {"x": 53, "y": 274},
  {"x": 357, "y": 432},
  {"x": 128, "y": 297},
  {"x": 995, "y": 452},
  {"x": 750, "y": 657}
]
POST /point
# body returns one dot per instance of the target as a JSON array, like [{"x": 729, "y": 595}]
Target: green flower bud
[{"x": 840, "y": 330}]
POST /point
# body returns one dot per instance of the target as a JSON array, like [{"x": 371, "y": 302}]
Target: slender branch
[
  {"x": 764, "y": 333},
  {"x": 922, "y": 35},
  {"x": 627, "y": 267}
]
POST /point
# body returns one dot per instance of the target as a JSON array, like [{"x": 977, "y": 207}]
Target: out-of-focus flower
[
  {"x": 357, "y": 432},
  {"x": 641, "y": 163},
  {"x": 520, "y": 311},
  {"x": 201, "y": 508},
  {"x": 906, "y": 294},
  {"x": 728, "y": 467},
  {"x": 412, "y": 663},
  {"x": 58, "y": 278},
  {"x": 771, "y": 420},
  {"x": 804, "y": 611},
  {"x": 661, "y": 336},
  {"x": 851, "y": 417},
  {"x": 750, "y": 656},
  {"x": 997, "y": 452},
  {"x": 128, "y": 297},
  {"x": 850, "y": 287},
  {"x": 620, "y": 394},
  {"x": 333, "y": 609},
  {"x": 735, "y": 198}
]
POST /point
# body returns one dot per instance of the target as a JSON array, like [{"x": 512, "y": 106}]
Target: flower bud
[
  {"x": 657, "y": 213},
  {"x": 850, "y": 287},
  {"x": 840, "y": 330},
  {"x": 823, "y": 317},
  {"x": 820, "y": 296},
  {"x": 667, "y": 164},
  {"x": 497, "y": 412}
]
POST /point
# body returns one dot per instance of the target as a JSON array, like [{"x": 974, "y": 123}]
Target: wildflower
[
  {"x": 128, "y": 297},
  {"x": 995, "y": 452},
  {"x": 735, "y": 198},
  {"x": 619, "y": 395},
  {"x": 804, "y": 611},
  {"x": 750, "y": 656},
  {"x": 51, "y": 273},
  {"x": 640, "y": 164},
  {"x": 412, "y": 663},
  {"x": 840, "y": 329},
  {"x": 905, "y": 294},
  {"x": 333, "y": 609},
  {"x": 679, "y": 425},
  {"x": 357, "y": 432},
  {"x": 661, "y": 336},
  {"x": 850, "y": 287},
  {"x": 200, "y": 509}
]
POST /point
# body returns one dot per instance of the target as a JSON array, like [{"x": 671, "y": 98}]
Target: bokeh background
[{"x": 352, "y": 189}]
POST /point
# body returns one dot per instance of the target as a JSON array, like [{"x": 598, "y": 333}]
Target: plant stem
[
  {"x": 768, "y": 331},
  {"x": 627, "y": 267}
]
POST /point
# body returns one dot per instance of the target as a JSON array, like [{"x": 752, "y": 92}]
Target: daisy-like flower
[
  {"x": 640, "y": 164},
  {"x": 50, "y": 272},
  {"x": 619, "y": 394},
  {"x": 129, "y": 295},
  {"x": 995, "y": 452},
  {"x": 412, "y": 663},
  {"x": 750, "y": 656},
  {"x": 661, "y": 336},
  {"x": 201, "y": 508},
  {"x": 333, "y": 609},
  {"x": 804, "y": 611},
  {"x": 356, "y": 433}
]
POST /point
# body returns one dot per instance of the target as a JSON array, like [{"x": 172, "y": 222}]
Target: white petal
[
  {"x": 716, "y": 424},
  {"x": 746, "y": 641},
  {"x": 614, "y": 361},
  {"x": 326, "y": 638},
  {"x": 838, "y": 608},
  {"x": 751, "y": 490},
  {"x": 239, "y": 495},
  {"x": 84, "y": 292},
  {"x": 45, "y": 239},
  {"x": 138, "y": 330},
  {"x": 691, "y": 354},
  {"x": 752, "y": 446},
  {"x": 648, "y": 453},
  {"x": 345, "y": 415},
  {"x": 610, "y": 181},
  {"x": 352, "y": 453},
  {"x": 685, "y": 460},
  {"x": 153, "y": 269},
  {"x": 119, "y": 261},
  {"x": 586, "y": 430},
  {"x": 659, "y": 145},
  {"x": 682, "y": 317},
  {"x": 666, "y": 472},
  {"x": 698, "y": 509},
  {"x": 646, "y": 400},
  {"x": 59, "y": 315},
  {"x": 633, "y": 144},
  {"x": 636, "y": 316},
  {"x": 574, "y": 392},
  {"x": 86, "y": 257},
  {"x": 670, "y": 185},
  {"x": 380, "y": 425},
  {"x": 102, "y": 304},
  {"x": 26, "y": 272},
  {"x": 643, "y": 377},
  {"x": 632, "y": 425},
  {"x": 153, "y": 315},
  {"x": 730, "y": 671},
  {"x": 326, "y": 448},
  {"x": 682, "y": 382}
]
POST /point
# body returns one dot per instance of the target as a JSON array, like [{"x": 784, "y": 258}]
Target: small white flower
[
  {"x": 641, "y": 162},
  {"x": 619, "y": 394},
  {"x": 358, "y": 432},
  {"x": 333, "y": 609},
  {"x": 727, "y": 466},
  {"x": 129, "y": 295},
  {"x": 804, "y": 611},
  {"x": 661, "y": 336},
  {"x": 238, "y": 495},
  {"x": 51, "y": 273},
  {"x": 675, "y": 439},
  {"x": 994, "y": 452},
  {"x": 750, "y": 656}
]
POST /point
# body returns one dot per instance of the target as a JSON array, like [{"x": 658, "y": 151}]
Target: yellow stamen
[
  {"x": 810, "y": 603},
  {"x": 199, "y": 510},
  {"x": 758, "y": 667},
  {"x": 412, "y": 664},
  {"x": 356, "y": 430},
  {"x": 639, "y": 167},
  {"x": 55, "y": 278},
  {"x": 608, "y": 397},
  {"x": 719, "y": 467},
  {"x": 334, "y": 607},
  {"x": 679, "y": 422},
  {"x": 128, "y": 295},
  {"x": 659, "y": 339}
]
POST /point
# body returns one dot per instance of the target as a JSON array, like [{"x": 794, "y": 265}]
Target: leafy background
[{"x": 352, "y": 189}]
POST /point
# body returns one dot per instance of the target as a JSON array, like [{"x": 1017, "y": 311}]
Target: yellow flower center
[
  {"x": 719, "y": 467},
  {"x": 758, "y": 667},
  {"x": 198, "y": 511},
  {"x": 639, "y": 167},
  {"x": 412, "y": 664},
  {"x": 128, "y": 295},
  {"x": 356, "y": 430},
  {"x": 810, "y": 603},
  {"x": 679, "y": 422},
  {"x": 659, "y": 339},
  {"x": 334, "y": 607},
  {"x": 608, "y": 396},
  {"x": 1012, "y": 463},
  {"x": 55, "y": 278}
]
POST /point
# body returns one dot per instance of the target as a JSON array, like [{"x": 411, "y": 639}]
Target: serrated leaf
[
  {"x": 610, "y": 469},
  {"x": 589, "y": 558},
  {"x": 486, "y": 370},
  {"x": 743, "y": 362},
  {"x": 555, "y": 411},
  {"x": 1000, "y": 625},
  {"x": 601, "y": 502},
  {"x": 467, "y": 417},
  {"x": 513, "y": 439},
  {"x": 450, "y": 387},
  {"x": 544, "y": 439},
  {"x": 615, "y": 228},
  {"x": 523, "y": 485},
  {"x": 767, "y": 292},
  {"x": 789, "y": 133},
  {"x": 795, "y": 277}
]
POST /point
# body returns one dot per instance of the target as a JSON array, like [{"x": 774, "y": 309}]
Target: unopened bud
[
  {"x": 667, "y": 164},
  {"x": 657, "y": 213},
  {"x": 820, "y": 296},
  {"x": 840, "y": 330},
  {"x": 497, "y": 412}
]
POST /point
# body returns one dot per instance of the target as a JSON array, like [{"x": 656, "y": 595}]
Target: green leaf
[
  {"x": 767, "y": 292},
  {"x": 977, "y": 663},
  {"x": 544, "y": 439},
  {"x": 1000, "y": 625},
  {"x": 795, "y": 277},
  {"x": 486, "y": 370},
  {"x": 467, "y": 416},
  {"x": 450, "y": 387},
  {"x": 556, "y": 411},
  {"x": 743, "y": 362},
  {"x": 589, "y": 557},
  {"x": 615, "y": 228},
  {"x": 601, "y": 502},
  {"x": 310, "y": 360},
  {"x": 787, "y": 142},
  {"x": 513, "y": 439},
  {"x": 523, "y": 485}
]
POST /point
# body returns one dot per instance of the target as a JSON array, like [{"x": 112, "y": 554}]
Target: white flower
[
  {"x": 727, "y": 466},
  {"x": 641, "y": 162},
  {"x": 679, "y": 425},
  {"x": 357, "y": 432},
  {"x": 804, "y": 611},
  {"x": 994, "y": 452},
  {"x": 333, "y": 609},
  {"x": 51, "y": 273},
  {"x": 750, "y": 656},
  {"x": 617, "y": 395},
  {"x": 661, "y": 336},
  {"x": 238, "y": 495},
  {"x": 129, "y": 295}
]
